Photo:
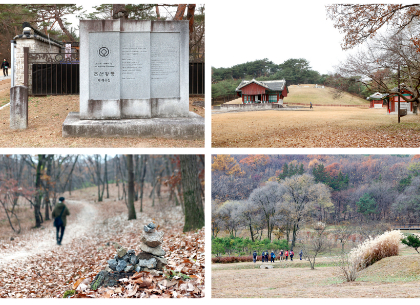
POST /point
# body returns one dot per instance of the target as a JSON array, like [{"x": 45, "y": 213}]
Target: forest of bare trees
[
  {"x": 275, "y": 196},
  {"x": 38, "y": 181}
]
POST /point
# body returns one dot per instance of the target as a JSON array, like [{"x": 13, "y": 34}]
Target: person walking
[
  {"x": 60, "y": 214},
  {"x": 273, "y": 256},
  {"x": 291, "y": 255},
  {"x": 281, "y": 254},
  {"x": 300, "y": 254},
  {"x": 266, "y": 256},
  {"x": 311, "y": 105},
  {"x": 254, "y": 256},
  {"x": 5, "y": 66},
  {"x": 286, "y": 254}
]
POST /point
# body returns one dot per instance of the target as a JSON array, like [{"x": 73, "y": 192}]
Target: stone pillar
[{"x": 19, "y": 107}]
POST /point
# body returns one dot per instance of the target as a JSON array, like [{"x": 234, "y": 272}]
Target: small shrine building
[
  {"x": 253, "y": 91},
  {"x": 378, "y": 100}
]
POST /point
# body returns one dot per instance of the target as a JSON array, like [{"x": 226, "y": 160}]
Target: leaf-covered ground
[
  {"x": 33, "y": 266},
  {"x": 322, "y": 127},
  {"x": 47, "y": 114}
]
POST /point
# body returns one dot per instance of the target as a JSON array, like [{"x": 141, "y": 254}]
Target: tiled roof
[
  {"x": 377, "y": 96},
  {"x": 272, "y": 85}
]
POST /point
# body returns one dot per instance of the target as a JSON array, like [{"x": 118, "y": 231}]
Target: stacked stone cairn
[
  {"x": 125, "y": 263},
  {"x": 151, "y": 257}
]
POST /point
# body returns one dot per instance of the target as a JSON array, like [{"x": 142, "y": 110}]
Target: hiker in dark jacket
[
  {"x": 5, "y": 65},
  {"x": 291, "y": 254},
  {"x": 300, "y": 254},
  {"x": 254, "y": 255},
  {"x": 272, "y": 256},
  {"x": 266, "y": 256},
  {"x": 59, "y": 214}
]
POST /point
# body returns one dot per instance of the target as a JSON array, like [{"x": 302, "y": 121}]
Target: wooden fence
[{"x": 324, "y": 105}]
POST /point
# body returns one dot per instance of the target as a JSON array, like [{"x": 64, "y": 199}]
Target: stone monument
[{"x": 134, "y": 81}]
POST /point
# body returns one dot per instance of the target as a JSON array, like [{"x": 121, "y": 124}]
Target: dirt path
[{"x": 44, "y": 240}]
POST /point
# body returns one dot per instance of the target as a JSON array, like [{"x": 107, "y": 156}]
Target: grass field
[
  {"x": 320, "y": 127},
  {"x": 393, "y": 277}
]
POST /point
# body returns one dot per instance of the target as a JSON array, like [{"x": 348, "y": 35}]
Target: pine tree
[{"x": 412, "y": 241}]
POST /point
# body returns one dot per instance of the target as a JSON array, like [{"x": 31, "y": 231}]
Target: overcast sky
[{"x": 274, "y": 30}]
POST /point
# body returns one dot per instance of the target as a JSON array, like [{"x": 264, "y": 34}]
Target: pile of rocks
[
  {"x": 126, "y": 262},
  {"x": 151, "y": 257}
]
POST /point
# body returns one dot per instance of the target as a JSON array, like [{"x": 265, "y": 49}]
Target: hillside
[{"x": 305, "y": 95}]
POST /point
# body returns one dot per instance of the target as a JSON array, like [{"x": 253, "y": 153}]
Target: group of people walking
[{"x": 283, "y": 255}]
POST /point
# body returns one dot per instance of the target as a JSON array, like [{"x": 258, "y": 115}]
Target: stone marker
[
  {"x": 134, "y": 81},
  {"x": 19, "y": 107},
  {"x": 266, "y": 267}
]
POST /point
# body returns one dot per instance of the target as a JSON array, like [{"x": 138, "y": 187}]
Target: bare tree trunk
[
  {"x": 106, "y": 177},
  {"x": 38, "y": 191},
  {"x": 157, "y": 12},
  {"x": 136, "y": 177},
  {"x": 142, "y": 176},
  {"x": 130, "y": 170},
  {"x": 179, "y": 15},
  {"x": 60, "y": 23},
  {"x": 194, "y": 211},
  {"x": 50, "y": 160},
  {"x": 190, "y": 16}
]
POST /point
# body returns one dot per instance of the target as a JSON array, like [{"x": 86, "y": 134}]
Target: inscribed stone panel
[
  {"x": 104, "y": 66},
  {"x": 135, "y": 65},
  {"x": 164, "y": 70}
]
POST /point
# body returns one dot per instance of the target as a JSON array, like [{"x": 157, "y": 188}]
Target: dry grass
[
  {"x": 248, "y": 281},
  {"x": 322, "y": 127},
  {"x": 320, "y": 96},
  {"x": 46, "y": 116},
  {"x": 4, "y": 92}
]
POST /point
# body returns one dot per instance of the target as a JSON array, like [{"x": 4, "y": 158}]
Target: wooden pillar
[{"x": 278, "y": 97}]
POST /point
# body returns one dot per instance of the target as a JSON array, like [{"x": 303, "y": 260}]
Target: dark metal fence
[
  {"x": 223, "y": 99},
  {"x": 196, "y": 78},
  {"x": 54, "y": 73},
  {"x": 58, "y": 74},
  {"x": 407, "y": 226}
]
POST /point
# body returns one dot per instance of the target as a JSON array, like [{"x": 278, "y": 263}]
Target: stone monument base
[{"x": 189, "y": 128}]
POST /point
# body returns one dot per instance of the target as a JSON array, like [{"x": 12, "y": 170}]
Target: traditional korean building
[
  {"x": 378, "y": 100},
  {"x": 253, "y": 91},
  {"x": 393, "y": 102}
]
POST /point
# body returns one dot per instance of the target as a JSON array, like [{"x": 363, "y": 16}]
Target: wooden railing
[{"x": 324, "y": 105}]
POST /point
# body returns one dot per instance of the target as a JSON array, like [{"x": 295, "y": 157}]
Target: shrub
[
  {"x": 233, "y": 259},
  {"x": 375, "y": 249},
  {"x": 412, "y": 241}
]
